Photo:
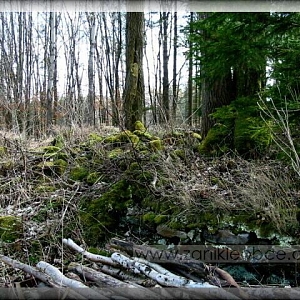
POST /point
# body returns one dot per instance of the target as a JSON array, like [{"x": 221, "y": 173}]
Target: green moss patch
[
  {"x": 102, "y": 215},
  {"x": 79, "y": 173},
  {"x": 10, "y": 228},
  {"x": 156, "y": 145},
  {"x": 138, "y": 125},
  {"x": 3, "y": 151}
]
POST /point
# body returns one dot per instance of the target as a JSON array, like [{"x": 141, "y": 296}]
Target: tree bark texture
[
  {"x": 166, "y": 104},
  {"x": 134, "y": 94},
  {"x": 214, "y": 94},
  {"x": 190, "y": 80}
]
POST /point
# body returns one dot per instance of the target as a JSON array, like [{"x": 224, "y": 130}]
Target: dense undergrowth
[{"x": 145, "y": 186}]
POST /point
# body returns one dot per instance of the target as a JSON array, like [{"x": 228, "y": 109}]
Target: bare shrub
[
  {"x": 280, "y": 118},
  {"x": 266, "y": 191}
]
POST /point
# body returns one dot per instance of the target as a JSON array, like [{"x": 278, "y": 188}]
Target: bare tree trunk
[
  {"x": 102, "y": 106},
  {"x": 152, "y": 101},
  {"x": 91, "y": 72},
  {"x": 134, "y": 94},
  {"x": 109, "y": 73},
  {"x": 14, "y": 74},
  {"x": 190, "y": 80},
  {"x": 166, "y": 103},
  {"x": 214, "y": 94},
  {"x": 158, "y": 88},
  {"x": 51, "y": 69},
  {"x": 174, "y": 102},
  {"x": 28, "y": 79},
  {"x": 55, "y": 73},
  {"x": 116, "y": 69},
  {"x": 20, "y": 67}
]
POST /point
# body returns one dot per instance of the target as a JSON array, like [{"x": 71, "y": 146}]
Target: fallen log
[
  {"x": 151, "y": 254},
  {"x": 60, "y": 289},
  {"x": 92, "y": 257},
  {"x": 159, "y": 256},
  {"x": 98, "y": 277},
  {"x": 164, "y": 280},
  {"x": 30, "y": 270},
  {"x": 115, "y": 286},
  {"x": 120, "y": 274},
  {"x": 61, "y": 279},
  {"x": 134, "y": 273}
]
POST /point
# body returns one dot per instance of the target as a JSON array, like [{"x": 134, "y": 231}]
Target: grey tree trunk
[
  {"x": 51, "y": 71},
  {"x": 166, "y": 102},
  {"x": 190, "y": 80},
  {"x": 174, "y": 100},
  {"x": 90, "y": 116},
  {"x": 28, "y": 70}
]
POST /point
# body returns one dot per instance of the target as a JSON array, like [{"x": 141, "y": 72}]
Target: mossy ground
[
  {"x": 11, "y": 228},
  {"x": 129, "y": 183}
]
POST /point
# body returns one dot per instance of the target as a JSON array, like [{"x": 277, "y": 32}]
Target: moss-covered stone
[
  {"x": 111, "y": 138},
  {"x": 57, "y": 166},
  {"x": 149, "y": 217},
  {"x": 52, "y": 152},
  {"x": 134, "y": 166},
  {"x": 95, "y": 138},
  {"x": 156, "y": 145},
  {"x": 175, "y": 224},
  {"x": 197, "y": 136},
  {"x": 3, "y": 151},
  {"x": 138, "y": 125},
  {"x": 58, "y": 141},
  {"x": 102, "y": 215},
  {"x": 159, "y": 219},
  {"x": 79, "y": 173},
  {"x": 153, "y": 218},
  {"x": 117, "y": 152},
  {"x": 178, "y": 153},
  {"x": 6, "y": 165},
  {"x": 134, "y": 139},
  {"x": 45, "y": 188},
  {"x": 125, "y": 136},
  {"x": 92, "y": 178},
  {"x": 60, "y": 166},
  {"x": 144, "y": 136},
  {"x": 11, "y": 228},
  {"x": 49, "y": 149}
]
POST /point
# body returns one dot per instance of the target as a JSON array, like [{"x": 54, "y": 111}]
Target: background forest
[{"x": 234, "y": 76}]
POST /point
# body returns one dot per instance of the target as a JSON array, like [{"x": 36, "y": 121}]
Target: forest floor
[{"x": 147, "y": 187}]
